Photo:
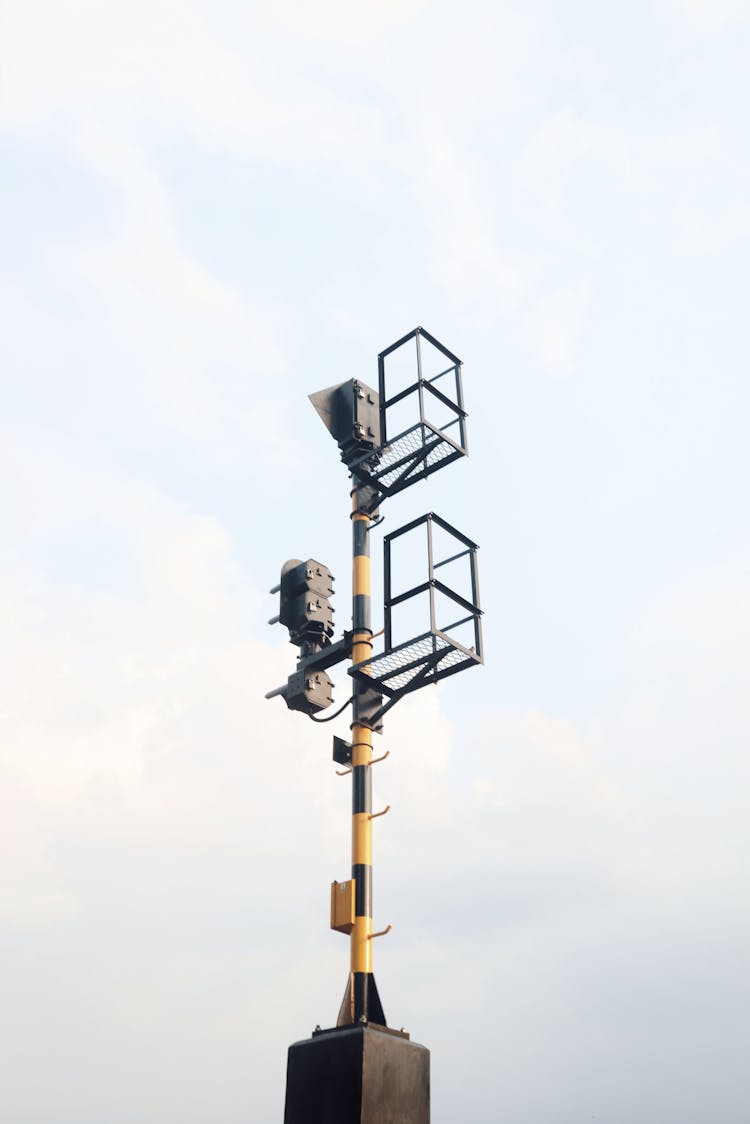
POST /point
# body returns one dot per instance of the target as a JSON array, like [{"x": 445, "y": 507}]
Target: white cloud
[
  {"x": 711, "y": 15},
  {"x": 466, "y": 252},
  {"x": 175, "y": 834},
  {"x": 711, "y": 232},
  {"x": 167, "y": 829},
  {"x": 95, "y": 62},
  {"x": 170, "y": 835},
  {"x": 456, "y": 89},
  {"x": 156, "y": 343},
  {"x": 338, "y": 26},
  {"x": 59, "y": 57},
  {"x": 554, "y": 325}
]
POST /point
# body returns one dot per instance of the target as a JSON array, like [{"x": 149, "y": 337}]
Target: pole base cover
[{"x": 357, "y": 1075}]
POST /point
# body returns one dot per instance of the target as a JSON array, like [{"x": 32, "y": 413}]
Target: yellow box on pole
[{"x": 342, "y": 906}]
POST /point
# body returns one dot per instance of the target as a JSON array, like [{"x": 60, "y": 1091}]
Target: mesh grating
[
  {"x": 394, "y": 459},
  {"x": 395, "y": 670}
]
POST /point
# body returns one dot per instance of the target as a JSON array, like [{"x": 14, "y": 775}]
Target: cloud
[
  {"x": 711, "y": 15},
  {"x": 169, "y": 835},
  {"x": 233, "y": 80},
  {"x": 156, "y": 346},
  {"x": 56, "y": 58},
  {"x": 172, "y": 837},
  {"x": 140, "y": 769},
  {"x": 575, "y": 903},
  {"x": 554, "y": 326},
  {"x": 565, "y": 886}
]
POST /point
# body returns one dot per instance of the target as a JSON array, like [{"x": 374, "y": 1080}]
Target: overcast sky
[{"x": 208, "y": 212}]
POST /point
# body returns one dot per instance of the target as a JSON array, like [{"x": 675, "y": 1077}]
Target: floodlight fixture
[{"x": 351, "y": 413}]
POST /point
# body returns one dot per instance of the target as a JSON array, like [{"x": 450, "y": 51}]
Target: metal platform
[
  {"x": 413, "y": 455},
  {"x": 426, "y": 659},
  {"x": 442, "y": 647},
  {"x": 412, "y": 398}
]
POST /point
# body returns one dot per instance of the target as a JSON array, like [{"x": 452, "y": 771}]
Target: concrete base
[{"x": 357, "y": 1075}]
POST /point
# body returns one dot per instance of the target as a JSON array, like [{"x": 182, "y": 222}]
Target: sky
[{"x": 209, "y": 212}]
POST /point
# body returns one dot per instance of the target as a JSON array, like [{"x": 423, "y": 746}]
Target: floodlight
[{"x": 350, "y": 411}]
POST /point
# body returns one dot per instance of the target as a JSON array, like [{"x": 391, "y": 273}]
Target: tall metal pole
[
  {"x": 361, "y": 935},
  {"x": 361, "y": 1071},
  {"x": 361, "y": 1002}
]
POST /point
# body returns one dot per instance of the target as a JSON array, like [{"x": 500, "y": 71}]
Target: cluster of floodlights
[{"x": 413, "y": 425}]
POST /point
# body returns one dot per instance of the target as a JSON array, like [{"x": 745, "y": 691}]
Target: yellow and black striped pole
[
  {"x": 361, "y": 935},
  {"x": 361, "y": 1002}
]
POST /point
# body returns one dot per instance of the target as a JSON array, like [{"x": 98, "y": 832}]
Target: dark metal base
[
  {"x": 361, "y": 1002},
  {"x": 358, "y": 1075}
]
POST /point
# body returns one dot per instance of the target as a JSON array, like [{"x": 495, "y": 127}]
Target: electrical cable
[{"x": 331, "y": 717}]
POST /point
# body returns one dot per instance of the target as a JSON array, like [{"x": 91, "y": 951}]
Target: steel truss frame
[
  {"x": 434, "y": 654},
  {"x": 422, "y": 448}
]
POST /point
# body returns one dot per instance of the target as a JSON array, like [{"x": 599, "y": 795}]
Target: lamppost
[{"x": 361, "y": 1071}]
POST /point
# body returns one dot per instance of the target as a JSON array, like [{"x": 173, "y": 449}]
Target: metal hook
[
  {"x": 382, "y": 933},
  {"x": 346, "y": 772},
  {"x": 374, "y": 815}
]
